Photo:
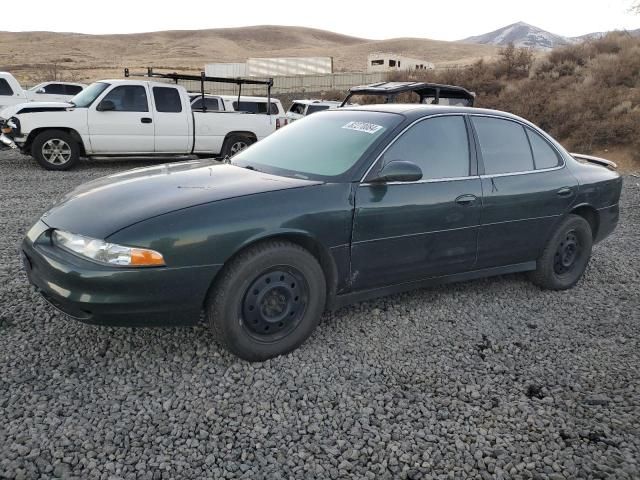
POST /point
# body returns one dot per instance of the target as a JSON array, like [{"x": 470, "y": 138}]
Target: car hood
[
  {"x": 28, "y": 107},
  {"x": 102, "y": 207}
]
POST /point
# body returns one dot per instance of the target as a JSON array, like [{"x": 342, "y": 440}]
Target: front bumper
[{"x": 114, "y": 296}]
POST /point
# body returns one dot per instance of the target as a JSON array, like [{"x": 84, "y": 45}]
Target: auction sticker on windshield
[{"x": 365, "y": 127}]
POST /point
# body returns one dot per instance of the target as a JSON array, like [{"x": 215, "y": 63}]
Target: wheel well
[
  {"x": 34, "y": 133},
  {"x": 244, "y": 134},
  {"x": 590, "y": 214},
  {"x": 314, "y": 247}
]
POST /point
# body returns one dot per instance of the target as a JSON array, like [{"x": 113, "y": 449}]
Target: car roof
[
  {"x": 422, "y": 88},
  {"x": 248, "y": 98},
  {"x": 318, "y": 102},
  {"x": 418, "y": 110}
]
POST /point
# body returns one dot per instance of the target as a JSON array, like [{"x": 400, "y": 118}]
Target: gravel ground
[{"x": 485, "y": 379}]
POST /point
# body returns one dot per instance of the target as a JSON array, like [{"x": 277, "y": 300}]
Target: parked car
[
  {"x": 55, "y": 91},
  {"x": 127, "y": 118},
  {"x": 427, "y": 93},
  {"x": 301, "y": 108},
  {"x": 258, "y": 105},
  {"x": 342, "y": 206},
  {"x": 11, "y": 93}
]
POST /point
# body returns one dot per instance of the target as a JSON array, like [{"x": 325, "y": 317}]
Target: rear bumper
[{"x": 113, "y": 296}]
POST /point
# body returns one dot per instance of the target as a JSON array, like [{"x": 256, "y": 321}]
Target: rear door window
[
  {"x": 5, "y": 88},
  {"x": 167, "y": 99},
  {"x": 544, "y": 155},
  {"x": 504, "y": 145}
]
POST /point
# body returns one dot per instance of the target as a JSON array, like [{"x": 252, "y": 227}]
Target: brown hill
[{"x": 30, "y": 55}]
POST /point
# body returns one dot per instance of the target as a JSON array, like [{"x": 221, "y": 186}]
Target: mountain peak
[{"x": 521, "y": 34}]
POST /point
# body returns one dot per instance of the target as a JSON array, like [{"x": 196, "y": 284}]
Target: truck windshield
[
  {"x": 319, "y": 147},
  {"x": 86, "y": 97}
]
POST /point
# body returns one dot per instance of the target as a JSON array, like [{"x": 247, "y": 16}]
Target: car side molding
[{"x": 343, "y": 300}]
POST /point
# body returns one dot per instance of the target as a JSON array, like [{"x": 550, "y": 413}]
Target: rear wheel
[
  {"x": 267, "y": 301},
  {"x": 566, "y": 255},
  {"x": 235, "y": 144},
  {"x": 55, "y": 150}
]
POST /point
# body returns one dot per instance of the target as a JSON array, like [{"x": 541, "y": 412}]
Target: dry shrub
[{"x": 586, "y": 95}]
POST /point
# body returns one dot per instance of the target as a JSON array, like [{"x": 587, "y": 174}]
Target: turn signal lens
[
  {"x": 147, "y": 258},
  {"x": 105, "y": 252}
]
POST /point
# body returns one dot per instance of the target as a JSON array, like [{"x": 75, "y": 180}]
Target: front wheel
[
  {"x": 566, "y": 255},
  {"x": 268, "y": 300},
  {"x": 55, "y": 150}
]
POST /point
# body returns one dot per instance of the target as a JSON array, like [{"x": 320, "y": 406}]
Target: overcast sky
[{"x": 442, "y": 20}]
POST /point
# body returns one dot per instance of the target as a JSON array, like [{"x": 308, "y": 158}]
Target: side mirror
[
  {"x": 41, "y": 90},
  {"x": 106, "y": 106},
  {"x": 398, "y": 171}
]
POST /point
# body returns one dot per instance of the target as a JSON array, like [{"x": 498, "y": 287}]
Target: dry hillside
[{"x": 30, "y": 55}]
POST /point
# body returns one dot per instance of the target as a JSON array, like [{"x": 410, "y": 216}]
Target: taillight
[{"x": 278, "y": 125}]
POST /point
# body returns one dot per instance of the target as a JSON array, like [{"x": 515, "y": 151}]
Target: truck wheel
[
  {"x": 267, "y": 300},
  {"x": 55, "y": 150},
  {"x": 234, "y": 144},
  {"x": 566, "y": 255}
]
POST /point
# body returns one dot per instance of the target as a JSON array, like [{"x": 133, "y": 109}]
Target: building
[
  {"x": 392, "y": 62},
  {"x": 272, "y": 67}
]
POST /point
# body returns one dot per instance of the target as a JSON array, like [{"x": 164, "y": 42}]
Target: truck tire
[
  {"x": 235, "y": 143},
  {"x": 55, "y": 150},
  {"x": 566, "y": 255},
  {"x": 267, "y": 300}
]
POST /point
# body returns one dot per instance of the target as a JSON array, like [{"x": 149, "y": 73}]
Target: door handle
[
  {"x": 565, "y": 192},
  {"x": 466, "y": 200},
  {"x": 146, "y": 120}
]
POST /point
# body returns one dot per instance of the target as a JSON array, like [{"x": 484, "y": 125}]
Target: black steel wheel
[
  {"x": 275, "y": 303},
  {"x": 565, "y": 256},
  {"x": 267, "y": 300}
]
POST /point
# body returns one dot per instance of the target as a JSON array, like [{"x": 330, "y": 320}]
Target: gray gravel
[{"x": 485, "y": 379}]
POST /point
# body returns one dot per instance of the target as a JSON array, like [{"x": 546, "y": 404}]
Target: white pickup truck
[
  {"x": 127, "y": 118},
  {"x": 12, "y": 93}
]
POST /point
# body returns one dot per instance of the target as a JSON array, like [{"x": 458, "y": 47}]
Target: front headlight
[
  {"x": 105, "y": 252},
  {"x": 9, "y": 125}
]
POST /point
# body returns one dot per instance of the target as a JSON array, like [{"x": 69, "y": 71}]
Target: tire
[
  {"x": 55, "y": 150},
  {"x": 267, "y": 300},
  {"x": 235, "y": 143},
  {"x": 566, "y": 255}
]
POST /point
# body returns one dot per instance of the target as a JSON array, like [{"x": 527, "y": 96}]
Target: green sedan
[{"x": 339, "y": 207}]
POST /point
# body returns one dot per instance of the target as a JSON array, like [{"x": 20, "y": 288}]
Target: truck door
[
  {"x": 121, "y": 122},
  {"x": 172, "y": 116}
]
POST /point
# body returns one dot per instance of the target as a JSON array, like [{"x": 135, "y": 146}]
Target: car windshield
[
  {"x": 319, "y": 147},
  {"x": 86, "y": 97}
]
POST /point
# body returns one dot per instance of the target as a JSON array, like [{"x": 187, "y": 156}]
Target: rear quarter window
[{"x": 544, "y": 155}]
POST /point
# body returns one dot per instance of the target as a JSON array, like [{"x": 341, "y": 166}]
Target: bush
[{"x": 586, "y": 95}]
